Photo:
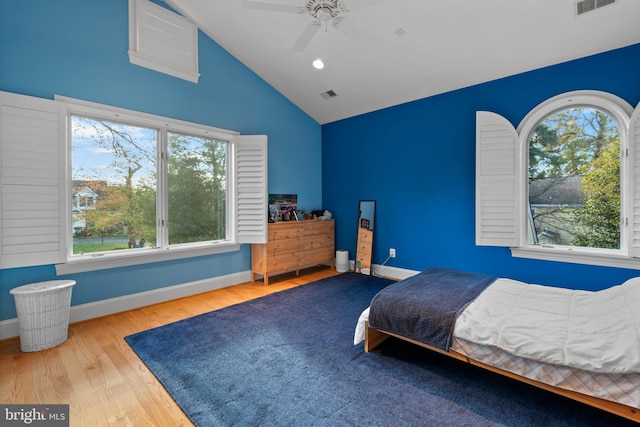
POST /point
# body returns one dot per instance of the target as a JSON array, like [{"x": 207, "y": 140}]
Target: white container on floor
[
  {"x": 342, "y": 261},
  {"x": 43, "y": 313}
]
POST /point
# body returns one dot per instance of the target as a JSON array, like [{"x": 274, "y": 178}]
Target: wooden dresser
[{"x": 293, "y": 245}]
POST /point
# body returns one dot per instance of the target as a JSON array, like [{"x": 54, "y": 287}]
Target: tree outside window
[
  {"x": 574, "y": 179},
  {"x": 197, "y": 189},
  {"x": 120, "y": 164}
]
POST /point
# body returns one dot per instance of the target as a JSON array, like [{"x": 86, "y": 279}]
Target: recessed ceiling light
[
  {"x": 318, "y": 64},
  {"x": 399, "y": 32}
]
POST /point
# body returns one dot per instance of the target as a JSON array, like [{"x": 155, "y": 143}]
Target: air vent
[
  {"x": 329, "y": 94},
  {"x": 585, "y": 6}
]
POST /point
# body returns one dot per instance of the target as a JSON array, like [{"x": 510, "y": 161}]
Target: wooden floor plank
[{"x": 98, "y": 374}]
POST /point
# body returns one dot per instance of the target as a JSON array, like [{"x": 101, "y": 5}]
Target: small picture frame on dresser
[{"x": 274, "y": 213}]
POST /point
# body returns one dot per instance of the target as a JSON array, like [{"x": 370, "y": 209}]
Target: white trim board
[
  {"x": 9, "y": 328},
  {"x": 392, "y": 272}
]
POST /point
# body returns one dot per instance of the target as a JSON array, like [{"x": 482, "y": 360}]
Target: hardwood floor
[{"x": 100, "y": 377}]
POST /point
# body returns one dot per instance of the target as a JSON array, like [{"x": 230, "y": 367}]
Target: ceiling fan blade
[
  {"x": 305, "y": 37},
  {"x": 352, "y": 32},
  {"x": 271, "y": 6}
]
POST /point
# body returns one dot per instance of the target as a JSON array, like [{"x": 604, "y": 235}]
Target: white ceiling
[{"x": 447, "y": 45}]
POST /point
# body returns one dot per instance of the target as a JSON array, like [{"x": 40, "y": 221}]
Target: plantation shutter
[
  {"x": 496, "y": 181},
  {"x": 30, "y": 181},
  {"x": 251, "y": 188},
  {"x": 634, "y": 155},
  {"x": 162, "y": 40}
]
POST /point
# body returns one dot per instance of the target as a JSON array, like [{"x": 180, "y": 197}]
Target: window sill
[
  {"x": 577, "y": 256},
  {"x": 103, "y": 261}
]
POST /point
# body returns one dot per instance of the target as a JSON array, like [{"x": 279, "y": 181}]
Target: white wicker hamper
[{"x": 43, "y": 313}]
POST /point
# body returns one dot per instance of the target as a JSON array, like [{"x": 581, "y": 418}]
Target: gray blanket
[{"x": 425, "y": 307}]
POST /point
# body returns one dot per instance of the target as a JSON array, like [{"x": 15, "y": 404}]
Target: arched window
[
  {"x": 563, "y": 189},
  {"x": 574, "y": 179}
]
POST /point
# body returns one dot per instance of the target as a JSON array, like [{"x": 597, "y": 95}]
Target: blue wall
[
  {"x": 78, "y": 48},
  {"x": 418, "y": 161}
]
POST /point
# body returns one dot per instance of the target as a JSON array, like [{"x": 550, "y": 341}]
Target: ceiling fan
[{"x": 323, "y": 12}]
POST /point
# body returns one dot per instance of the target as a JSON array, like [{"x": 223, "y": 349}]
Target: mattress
[{"x": 621, "y": 388}]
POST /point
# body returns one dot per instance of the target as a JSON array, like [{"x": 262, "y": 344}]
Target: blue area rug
[{"x": 288, "y": 359}]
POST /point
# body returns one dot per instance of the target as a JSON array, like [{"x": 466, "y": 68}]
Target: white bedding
[
  {"x": 359, "y": 335},
  {"x": 593, "y": 331}
]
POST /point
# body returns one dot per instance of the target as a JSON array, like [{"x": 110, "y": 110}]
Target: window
[
  {"x": 94, "y": 187},
  {"x": 574, "y": 180},
  {"x": 197, "y": 187},
  {"x": 114, "y": 165},
  {"x": 560, "y": 187},
  {"x": 117, "y": 165}
]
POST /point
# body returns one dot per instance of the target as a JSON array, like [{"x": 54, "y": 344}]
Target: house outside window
[
  {"x": 84, "y": 199},
  {"x": 552, "y": 206}
]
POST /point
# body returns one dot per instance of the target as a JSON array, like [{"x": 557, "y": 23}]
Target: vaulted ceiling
[{"x": 387, "y": 52}]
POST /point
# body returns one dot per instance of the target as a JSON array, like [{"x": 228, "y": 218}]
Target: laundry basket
[{"x": 43, "y": 313}]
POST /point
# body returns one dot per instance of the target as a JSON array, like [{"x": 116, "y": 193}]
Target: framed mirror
[{"x": 364, "y": 242}]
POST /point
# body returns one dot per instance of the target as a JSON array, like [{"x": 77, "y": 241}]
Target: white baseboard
[
  {"x": 9, "y": 328},
  {"x": 392, "y": 272}
]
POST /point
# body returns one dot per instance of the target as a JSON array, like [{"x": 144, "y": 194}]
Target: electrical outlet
[{"x": 392, "y": 252}]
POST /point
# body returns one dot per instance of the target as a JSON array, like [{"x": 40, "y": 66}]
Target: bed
[{"x": 579, "y": 344}]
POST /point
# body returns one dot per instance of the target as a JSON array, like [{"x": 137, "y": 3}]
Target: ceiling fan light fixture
[
  {"x": 323, "y": 14},
  {"x": 324, "y": 10}
]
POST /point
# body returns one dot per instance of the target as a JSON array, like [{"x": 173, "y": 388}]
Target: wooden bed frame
[{"x": 374, "y": 337}]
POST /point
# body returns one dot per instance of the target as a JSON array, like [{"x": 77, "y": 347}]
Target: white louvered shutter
[
  {"x": 497, "y": 181},
  {"x": 634, "y": 154},
  {"x": 162, "y": 40},
  {"x": 30, "y": 181},
  {"x": 251, "y": 188}
]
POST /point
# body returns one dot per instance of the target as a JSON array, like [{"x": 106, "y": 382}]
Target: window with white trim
[
  {"x": 141, "y": 188},
  {"x": 121, "y": 166},
  {"x": 574, "y": 180},
  {"x": 561, "y": 186}
]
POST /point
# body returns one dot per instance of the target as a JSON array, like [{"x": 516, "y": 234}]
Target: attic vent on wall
[
  {"x": 585, "y": 6},
  {"x": 329, "y": 94}
]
